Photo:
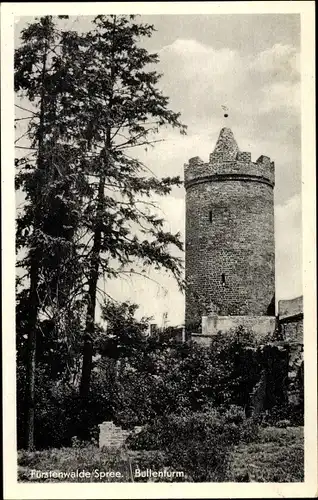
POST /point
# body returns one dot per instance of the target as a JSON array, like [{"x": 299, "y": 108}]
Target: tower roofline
[
  {"x": 218, "y": 169},
  {"x": 226, "y": 145},
  {"x": 227, "y": 162}
]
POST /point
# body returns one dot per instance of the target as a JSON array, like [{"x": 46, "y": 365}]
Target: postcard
[{"x": 158, "y": 186}]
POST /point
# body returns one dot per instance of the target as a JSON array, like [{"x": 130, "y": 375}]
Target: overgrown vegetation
[
  {"x": 137, "y": 380},
  {"x": 198, "y": 443},
  {"x": 275, "y": 455},
  {"x": 144, "y": 381}
]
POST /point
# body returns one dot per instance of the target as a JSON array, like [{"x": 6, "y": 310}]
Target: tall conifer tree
[
  {"x": 118, "y": 108},
  {"x": 47, "y": 224},
  {"x": 88, "y": 212}
]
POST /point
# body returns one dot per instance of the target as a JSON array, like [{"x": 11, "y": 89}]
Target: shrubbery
[
  {"x": 172, "y": 378},
  {"x": 60, "y": 414},
  {"x": 291, "y": 414},
  {"x": 200, "y": 444},
  {"x": 144, "y": 381}
]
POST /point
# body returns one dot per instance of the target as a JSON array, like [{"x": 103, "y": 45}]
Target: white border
[{"x": 14, "y": 490}]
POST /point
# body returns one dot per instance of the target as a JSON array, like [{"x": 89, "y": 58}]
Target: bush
[
  {"x": 59, "y": 412},
  {"x": 163, "y": 379},
  {"x": 248, "y": 428},
  {"x": 199, "y": 444},
  {"x": 287, "y": 414}
]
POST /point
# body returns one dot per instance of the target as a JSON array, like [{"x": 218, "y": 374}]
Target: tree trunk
[
  {"x": 94, "y": 274},
  {"x": 33, "y": 297},
  {"x": 92, "y": 291},
  {"x": 92, "y": 288},
  {"x": 31, "y": 356}
]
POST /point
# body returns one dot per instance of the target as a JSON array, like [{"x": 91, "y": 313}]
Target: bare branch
[
  {"x": 147, "y": 143},
  {"x": 25, "y": 118},
  {"x": 28, "y": 110},
  {"x": 21, "y": 136}
]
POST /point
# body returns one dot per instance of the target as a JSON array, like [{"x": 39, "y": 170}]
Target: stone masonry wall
[
  {"x": 290, "y": 307},
  {"x": 290, "y": 318},
  {"x": 261, "y": 326},
  {"x": 113, "y": 436},
  {"x": 290, "y": 315},
  {"x": 198, "y": 170}
]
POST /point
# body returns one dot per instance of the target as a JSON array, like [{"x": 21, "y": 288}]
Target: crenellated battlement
[
  {"x": 227, "y": 162},
  {"x": 240, "y": 168}
]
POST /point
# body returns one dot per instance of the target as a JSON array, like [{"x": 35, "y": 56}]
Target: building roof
[{"x": 226, "y": 144}]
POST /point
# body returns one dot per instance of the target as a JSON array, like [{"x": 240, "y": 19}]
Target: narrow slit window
[
  {"x": 210, "y": 216},
  {"x": 223, "y": 280}
]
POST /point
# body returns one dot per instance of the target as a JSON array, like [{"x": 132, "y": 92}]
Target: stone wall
[
  {"x": 295, "y": 373},
  {"x": 113, "y": 436},
  {"x": 261, "y": 326},
  {"x": 290, "y": 307},
  {"x": 290, "y": 317},
  {"x": 261, "y": 171}
]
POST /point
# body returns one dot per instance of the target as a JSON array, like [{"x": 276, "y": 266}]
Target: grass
[
  {"x": 276, "y": 456},
  {"x": 95, "y": 461},
  {"x": 68, "y": 460}
]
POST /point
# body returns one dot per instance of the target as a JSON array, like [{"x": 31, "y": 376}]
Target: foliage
[
  {"x": 59, "y": 411},
  {"x": 49, "y": 219},
  {"x": 238, "y": 364},
  {"x": 119, "y": 107},
  {"x": 125, "y": 334},
  {"x": 292, "y": 414},
  {"x": 276, "y": 456},
  {"x": 197, "y": 443},
  {"x": 157, "y": 434},
  {"x": 137, "y": 379},
  {"x": 47, "y": 174},
  {"x": 162, "y": 378}
]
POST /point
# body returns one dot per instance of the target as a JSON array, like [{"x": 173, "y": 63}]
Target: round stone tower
[{"x": 230, "y": 248}]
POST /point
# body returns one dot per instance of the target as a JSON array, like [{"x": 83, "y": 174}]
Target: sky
[{"x": 249, "y": 63}]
